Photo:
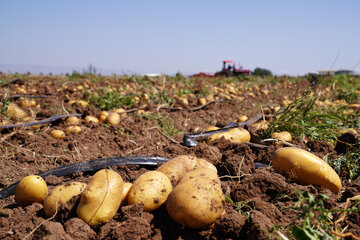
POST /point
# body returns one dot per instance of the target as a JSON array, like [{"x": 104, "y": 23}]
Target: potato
[
  {"x": 113, "y": 119},
  {"x": 120, "y": 111},
  {"x": 61, "y": 195},
  {"x": 15, "y": 112},
  {"x": 89, "y": 119},
  {"x": 58, "y": 134},
  {"x": 31, "y": 189},
  {"x": 101, "y": 198},
  {"x": 73, "y": 130},
  {"x": 197, "y": 201},
  {"x": 283, "y": 136},
  {"x": 126, "y": 190},
  {"x": 178, "y": 166},
  {"x": 242, "y": 118},
  {"x": 305, "y": 168},
  {"x": 103, "y": 115},
  {"x": 73, "y": 120},
  {"x": 212, "y": 128},
  {"x": 202, "y": 101},
  {"x": 151, "y": 189},
  {"x": 235, "y": 135}
]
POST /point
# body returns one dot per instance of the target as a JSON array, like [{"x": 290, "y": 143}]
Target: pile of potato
[{"x": 188, "y": 186}]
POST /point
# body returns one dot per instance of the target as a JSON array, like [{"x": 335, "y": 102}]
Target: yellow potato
[
  {"x": 31, "y": 189},
  {"x": 15, "y": 112},
  {"x": 124, "y": 195},
  {"x": 235, "y": 135},
  {"x": 151, "y": 189},
  {"x": 178, "y": 166},
  {"x": 89, "y": 119},
  {"x": 73, "y": 130},
  {"x": 113, "y": 119},
  {"x": 58, "y": 134},
  {"x": 197, "y": 201},
  {"x": 103, "y": 115},
  {"x": 61, "y": 195},
  {"x": 73, "y": 120},
  {"x": 242, "y": 118},
  {"x": 101, "y": 198},
  {"x": 212, "y": 128},
  {"x": 283, "y": 136},
  {"x": 305, "y": 168}
]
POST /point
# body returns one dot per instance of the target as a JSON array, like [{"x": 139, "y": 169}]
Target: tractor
[{"x": 229, "y": 69}]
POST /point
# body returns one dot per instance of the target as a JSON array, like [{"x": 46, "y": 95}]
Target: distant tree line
[{"x": 262, "y": 72}]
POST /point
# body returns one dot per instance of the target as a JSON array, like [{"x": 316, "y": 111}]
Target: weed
[
  {"x": 110, "y": 100},
  {"x": 241, "y": 207},
  {"x": 347, "y": 165},
  {"x": 302, "y": 118},
  {"x": 162, "y": 97},
  {"x": 5, "y": 101},
  {"x": 165, "y": 124}
]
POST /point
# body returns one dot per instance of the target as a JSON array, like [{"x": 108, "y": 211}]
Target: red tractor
[{"x": 229, "y": 69}]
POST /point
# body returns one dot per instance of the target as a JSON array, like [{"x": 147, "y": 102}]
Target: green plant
[
  {"x": 241, "y": 207},
  {"x": 302, "y": 118},
  {"x": 5, "y": 101},
  {"x": 110, "y": 100},
  {"x": 347, "y": 166},
  {"x": 165, "y": 124},
  {"x": 162, "y": 97}
]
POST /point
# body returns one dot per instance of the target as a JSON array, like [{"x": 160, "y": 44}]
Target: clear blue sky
[{"x": 287, "y": 36}]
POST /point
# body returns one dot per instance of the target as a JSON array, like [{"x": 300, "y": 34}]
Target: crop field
[{"x": 134, "y": 124}]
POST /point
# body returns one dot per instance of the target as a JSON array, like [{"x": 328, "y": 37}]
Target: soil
[{"x": 25, "y": 151}]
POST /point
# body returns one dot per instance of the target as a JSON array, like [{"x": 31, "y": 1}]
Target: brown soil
[{"x": 24, "y": 152}]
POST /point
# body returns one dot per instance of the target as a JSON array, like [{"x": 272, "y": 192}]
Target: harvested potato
[
  {"x": 89, "y": 119},
  {"x": 113, "y": 119},
  {"x": 283, "y": 136},
  {"x": 73, "y": 130},
  {"x": 305, "y": 168},
  {"x": 73, "y": 121},
  {"x": 178, "y": 166},
  {"x": 61, "y": 195},
  {"x": 120, "y": 111},
  {"x": 235, "y": 135},
  {"x": 58, "y": 134},
  {"x": 103, "y": 115},
  {"x": 15, "y": 112},
  {"x": 124, "y": 195},
  {"x": 151, "y": 189},
  {"x": 101, "y": 198},
  {"x": 212, "y": 128},
  {"x": 261, "y": 125},
  {"x": 197, "y": 201},
  {"x": 31, "y": 189},
  {"x": 242, "y": 118}
]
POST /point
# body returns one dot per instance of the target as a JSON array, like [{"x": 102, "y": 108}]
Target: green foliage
[
  {"x": 345, "y": 87},
  {"x": 302, "y": 118},
  {"x": 162, "y": 97},
  {"x": 5, "y": 101},
  {"x": 110, "y": 100},
  {"x": 347, "y": 165},
  {"x": 241, "y": 207},
  {"x": 262, "y": 72},
  {"x": 165, "y": 124}
]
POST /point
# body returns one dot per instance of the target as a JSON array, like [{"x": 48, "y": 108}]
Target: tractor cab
[{"x": 228, "y": 65}]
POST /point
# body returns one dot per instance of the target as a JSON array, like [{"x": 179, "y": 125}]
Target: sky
[{"x": 189, "y": 36}]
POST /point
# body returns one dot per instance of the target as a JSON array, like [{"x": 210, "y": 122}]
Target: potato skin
[
  {"x": 197, "y": 201},
  {"x": 101, "y": 198},
  {"x": 235, "y": 135},
  {"x": 126, "y": 190},
  {"x": 305, "y": 168},
  {"x": 60, "y": 195},
  {"x": 31, "y": 189},
  {"x": 151, "y": 189},
  {"x": 283, "y": 136},
  {"x": 178, "y": 166}
]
